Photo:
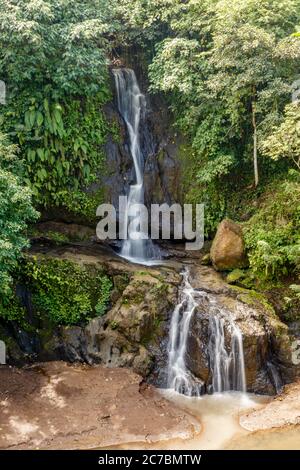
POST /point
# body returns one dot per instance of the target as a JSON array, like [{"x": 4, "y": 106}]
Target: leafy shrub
[
  {"x": 12, "y": 310},
  {"x": 53, "y": 55},
  {"x": 62, "y": 142},
  {"x": 272, "y": 235},
  {"x": 15, "y": 212}
]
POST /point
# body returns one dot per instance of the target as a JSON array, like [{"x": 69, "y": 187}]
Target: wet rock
[
  {"x": 129, "y": 334},
  {"x": 228, "y": 250},
  {"x": 266, "y": 340}
]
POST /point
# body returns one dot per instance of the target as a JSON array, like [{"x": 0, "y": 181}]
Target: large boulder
[{"x": 228, "y": 248}]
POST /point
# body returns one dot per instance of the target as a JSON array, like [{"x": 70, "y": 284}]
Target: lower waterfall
[
  {"x": 226, "y": 364},
  {"x": 179, "y": 377},
  {"x": 227, "y": 367}
]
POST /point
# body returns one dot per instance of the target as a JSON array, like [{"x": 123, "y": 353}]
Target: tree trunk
[{"x": 254, "y": 144}]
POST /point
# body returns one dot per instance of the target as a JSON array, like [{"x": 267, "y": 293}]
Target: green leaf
[
  {"x": 41, "y": 154},
  {"x": 39, "y": 118}
]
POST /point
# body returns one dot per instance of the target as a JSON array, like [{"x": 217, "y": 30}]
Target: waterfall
[
  {"x": 179, "y": 377},
  {"x": 132, "y": 107},
  {"x": 226, "y": 362},
  {"x": 227, "y": 366},
  {"x": 275, "y": 377}
]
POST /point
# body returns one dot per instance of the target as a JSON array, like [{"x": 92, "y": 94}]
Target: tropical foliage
[
  {"x": 16, "y": 211},
  {"x": 227, "y": 69},
  {"x": 53, "y": 58}
]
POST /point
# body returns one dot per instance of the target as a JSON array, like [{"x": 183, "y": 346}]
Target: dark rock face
[
  {"x": 162, "y": 167},
  {"x": 119, "y": 165},
  {"x": 160, "y": 149}
]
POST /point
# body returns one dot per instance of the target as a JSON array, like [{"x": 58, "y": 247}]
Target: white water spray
[
  {"x": 179, "y": 377},
  {"x": 226, "y": 363},
  {"x": 132, "y": 106}
]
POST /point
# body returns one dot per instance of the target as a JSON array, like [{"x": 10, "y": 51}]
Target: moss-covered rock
[
  {"x": 132, "y": 330},
  {"x": 65, "y": 292}
]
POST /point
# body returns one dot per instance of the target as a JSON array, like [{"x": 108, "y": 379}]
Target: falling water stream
[
  {"x": 226, "y": 364},
  {"x": 132, "y": 107},
  {"x": 179, "y": 377},
  {"x": 228, "y": 367}
]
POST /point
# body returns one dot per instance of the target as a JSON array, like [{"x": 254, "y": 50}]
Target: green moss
[
  {"x": 136, "y": 297},
  {"x": 254, "y": 299},
  {"x": 121, "y": 281},
  {"x": 234, "y": 276},
  {"x": 56, "y": 237},
  {"x": 64, "y": 292},
  {"x": 243, "y": 278},
  {"x": 206, "y": 260},
  {"x": 114, "y": 325},
  {"x": 153, "y": 333},
  {"x": 159, "y": 289}
]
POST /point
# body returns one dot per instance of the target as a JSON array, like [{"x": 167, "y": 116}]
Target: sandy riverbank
[{"x": 61, "y": 406}]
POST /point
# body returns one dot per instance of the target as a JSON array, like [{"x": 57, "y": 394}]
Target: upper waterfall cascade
[{"x": 132, "y": 107}]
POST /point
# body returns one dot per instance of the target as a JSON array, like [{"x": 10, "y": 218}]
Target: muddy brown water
[{"x": 219, "y": 417}]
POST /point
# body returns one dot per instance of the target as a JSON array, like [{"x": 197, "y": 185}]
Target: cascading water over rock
[
  {"x": 226, "y": 363},
  {"x": 179, "y": 377},
  {"x": 132, "y": 107},
  {"x": 227, "y": 367}
]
